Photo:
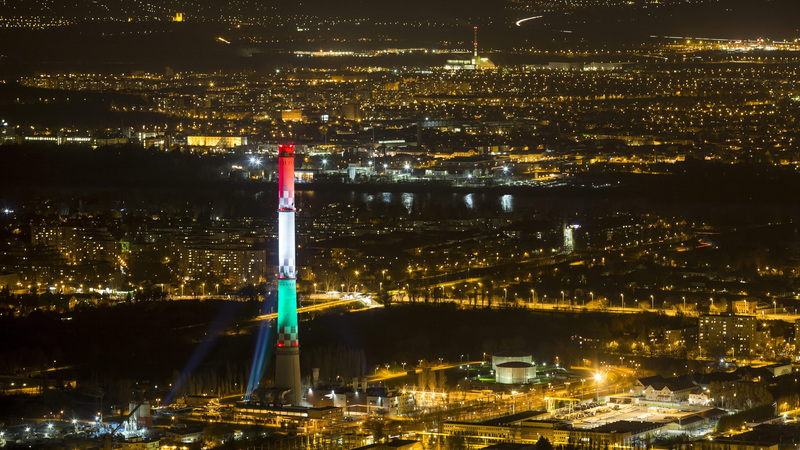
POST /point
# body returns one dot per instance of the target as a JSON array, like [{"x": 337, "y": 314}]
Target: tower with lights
[{"x": 287, "y": 352}]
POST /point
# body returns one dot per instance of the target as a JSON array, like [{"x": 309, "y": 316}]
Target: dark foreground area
[{"x": 115, "y": 351}]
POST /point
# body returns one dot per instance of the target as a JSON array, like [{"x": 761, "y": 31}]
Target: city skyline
[{"x": 559, "y": 225}]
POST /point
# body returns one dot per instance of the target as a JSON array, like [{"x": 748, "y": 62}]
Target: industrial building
[
  {"x": 528, "y": 427},
  {"x": 474, "y": 63},
  {"x": 276, "y": 415},
  {"x": 513, "y": 367},
  {"x": 763, "y": 437}
]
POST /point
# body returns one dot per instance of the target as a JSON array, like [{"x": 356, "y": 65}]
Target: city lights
[{"x": 522, "y": 194}]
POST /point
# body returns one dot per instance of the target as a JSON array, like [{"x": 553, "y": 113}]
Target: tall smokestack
[
  {"x": 287, "y": 354},
  {"x": 475, "y": 43}
]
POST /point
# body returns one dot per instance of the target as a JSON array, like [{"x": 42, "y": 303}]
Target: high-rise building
[
  {"x": 79, "y": 245},
  {"x": 287, "y": 353},
  {"x": 728, "y": 333},
  {"x": 230, "y": 263},
  {"x": 797, "y": 338}
]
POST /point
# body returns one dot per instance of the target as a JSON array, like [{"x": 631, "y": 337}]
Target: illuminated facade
[
  {"x": 77, "y": 245},
  {"x": 287, "y": 373},
  {"x": 216, "y": 141},
  {"x": 231, "y": 263},
  {"x": 292, "y": 115}
]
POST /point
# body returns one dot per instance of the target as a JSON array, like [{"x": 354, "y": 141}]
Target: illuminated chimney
[
  {"x": 287, "y": 353},
  {"x": 475, "y": 44}
]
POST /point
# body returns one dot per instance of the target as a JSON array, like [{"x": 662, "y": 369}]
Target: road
[
  {"x": 315, "y": 307},
  {"x": 387, "y": 375}
]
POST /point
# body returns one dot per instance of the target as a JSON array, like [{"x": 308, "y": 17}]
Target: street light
[
  {"x": 562, "y": 296},
  {"x": 652, "y": 302},
  {"x": 622, "y": 296}
]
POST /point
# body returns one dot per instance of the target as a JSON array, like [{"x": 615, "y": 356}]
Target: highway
[
  {"x": 387, "y": 375},
  {"x": 316, "y": 307}
]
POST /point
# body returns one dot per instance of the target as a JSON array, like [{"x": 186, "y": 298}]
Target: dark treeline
[
  {"x": 735, "y": 421},
  {"x": 139, "y": 341},
  {"x": 154, "y": 340},
  {"x": 407, "y": 333},
  {"x": 335, "y": 360},
  {"x": 125, "y": 166},
  {"x": 205, "y": 346},
  {"x": 114, "y": 352}
]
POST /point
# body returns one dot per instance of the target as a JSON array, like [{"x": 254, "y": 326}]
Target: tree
[
  {"x": 436, "y": 294},
  {"x": 349, "y": 279},
  {"x": 422, "y": 378},
  {"x": 383, "y": 298},
  {"x": 543, "y": 444},
  {"x": 248, "y": 291},
  {"x": 413, "y": 293},
  {"x": 441, "y": 380},
  {"x": 377, "y": 424},
  {"x": 328, "y": 279}
]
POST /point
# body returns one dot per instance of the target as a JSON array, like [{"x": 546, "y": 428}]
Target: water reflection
[
  {"x": 469, "y": 200},
  {"x": 507, "y": 203},
  {"x": 474, "y": 202},
  {"x": 408, "y": 201}
]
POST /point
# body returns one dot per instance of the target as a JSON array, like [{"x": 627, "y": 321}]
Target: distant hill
[
  {"x": 712, "y": 13},
  {"x": 101, "y": 38}
]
